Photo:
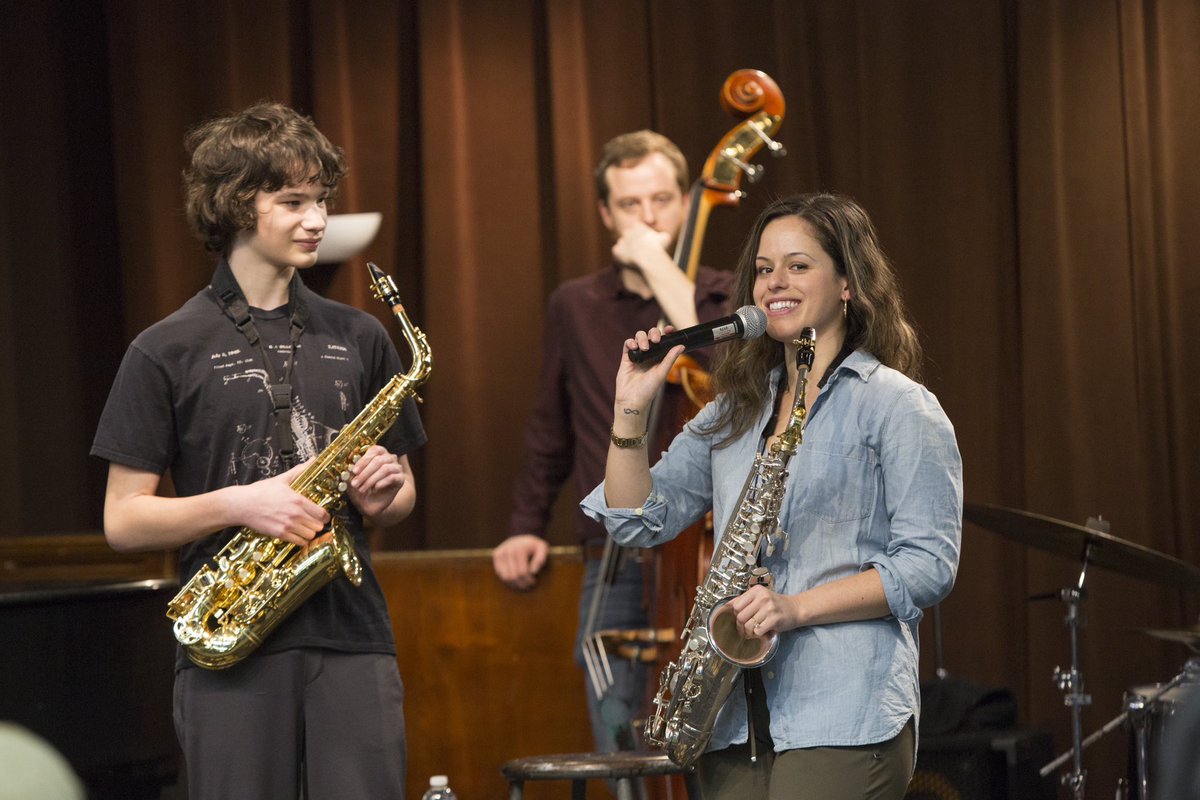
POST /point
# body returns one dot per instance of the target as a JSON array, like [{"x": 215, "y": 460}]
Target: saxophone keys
[
  {"x": 243, "y": 574},
  {"x": 342, "y": 486}
]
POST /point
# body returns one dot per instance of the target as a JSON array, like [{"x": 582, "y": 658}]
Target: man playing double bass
[{"x": 642, "y": 189}]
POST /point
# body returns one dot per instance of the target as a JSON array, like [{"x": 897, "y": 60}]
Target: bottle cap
[{"x": 439, "y": 782}]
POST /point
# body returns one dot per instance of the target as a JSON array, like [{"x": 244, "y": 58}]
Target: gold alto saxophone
[
  {"x": 224, "y": 613},
  {"x": 693, "y": 687}
]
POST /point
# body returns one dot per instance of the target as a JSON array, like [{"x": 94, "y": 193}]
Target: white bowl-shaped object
[{"x": 346, "y": 235}]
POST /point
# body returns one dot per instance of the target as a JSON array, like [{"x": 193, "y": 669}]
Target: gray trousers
[{"x": 315, "y": 724}]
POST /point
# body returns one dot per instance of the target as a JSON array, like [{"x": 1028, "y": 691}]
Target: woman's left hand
[{"x": 763, "y": 613}]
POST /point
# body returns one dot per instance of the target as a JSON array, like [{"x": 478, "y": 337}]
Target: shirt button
[
  {"x": 771, "y": 675},
  {"x": 639, "y": 511}
]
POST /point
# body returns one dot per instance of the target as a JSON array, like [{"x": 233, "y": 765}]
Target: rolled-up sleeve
[
  {"x": 638, "y": 527},
  {"x": 680, "y": 492},
  {"x": 922, "y": 477}
]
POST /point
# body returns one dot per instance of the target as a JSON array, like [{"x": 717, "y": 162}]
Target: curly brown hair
[
  {"x": 264, "y": 148},
  {"x": 876, "y": 319}
]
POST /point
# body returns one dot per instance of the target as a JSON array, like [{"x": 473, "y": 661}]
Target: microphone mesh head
[{"x": 754, "y": 321}]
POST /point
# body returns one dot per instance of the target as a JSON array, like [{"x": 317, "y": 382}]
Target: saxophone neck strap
[
  {"x": 233, "y": 303},
  {"x": 782, "y": 387}
]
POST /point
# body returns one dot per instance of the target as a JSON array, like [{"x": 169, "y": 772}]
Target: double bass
[
  {"x": 753, "y": 97},
  {"x": 681, "y": 564}
]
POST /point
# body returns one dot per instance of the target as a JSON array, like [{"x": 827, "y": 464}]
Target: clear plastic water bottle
[{"x": 439, "y": 789}]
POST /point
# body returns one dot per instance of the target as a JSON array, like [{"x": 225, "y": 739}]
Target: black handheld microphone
[{"x": 748, "y": 322}]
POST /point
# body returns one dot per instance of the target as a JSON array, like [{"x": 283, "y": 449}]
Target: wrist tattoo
[{"x": 633, "y": 411}]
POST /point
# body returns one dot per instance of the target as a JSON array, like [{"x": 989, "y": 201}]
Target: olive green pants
[{"x": 879, "y": 771}]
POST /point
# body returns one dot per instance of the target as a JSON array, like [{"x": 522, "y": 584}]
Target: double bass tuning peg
[
  {"x": 776, "y": 148},
  {"x": 753, "y": 171}
]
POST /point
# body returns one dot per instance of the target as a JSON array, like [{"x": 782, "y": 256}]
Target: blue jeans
[{"x": 613, "y": 714}]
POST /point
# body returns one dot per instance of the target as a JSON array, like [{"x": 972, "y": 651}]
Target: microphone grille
[{"x": 754, "y": 321}]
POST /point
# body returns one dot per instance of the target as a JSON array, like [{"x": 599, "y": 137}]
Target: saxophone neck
[
  {"x": 793, "y": 435},
  {"x": 383, "y": 286}
]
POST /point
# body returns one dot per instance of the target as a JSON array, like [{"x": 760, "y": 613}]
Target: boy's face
[{"x": 291, "y": 224}]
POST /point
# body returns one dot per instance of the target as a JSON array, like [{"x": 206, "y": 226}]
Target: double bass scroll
[{"x": 753, "y": 96}]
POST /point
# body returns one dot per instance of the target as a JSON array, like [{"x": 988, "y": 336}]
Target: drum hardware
[
  {"x": 1091, "y": 544},
  {"x": 939, "y": 664},
  {"x": 1137, "y": 710},
  {"x": 1070, "y": 682}
]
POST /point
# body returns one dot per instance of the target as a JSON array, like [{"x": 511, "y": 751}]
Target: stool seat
[{"x": 623, "y": 767}]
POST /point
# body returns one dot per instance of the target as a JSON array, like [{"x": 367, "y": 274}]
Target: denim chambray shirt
[{"x": 876, "y": 484}]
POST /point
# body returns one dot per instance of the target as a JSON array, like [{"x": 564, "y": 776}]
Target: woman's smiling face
[{"x": 796, "y": 282}]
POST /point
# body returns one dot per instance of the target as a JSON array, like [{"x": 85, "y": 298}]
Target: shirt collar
[
  {"x": 859, "y": 362},
  {"x": 610, "y": 283}
]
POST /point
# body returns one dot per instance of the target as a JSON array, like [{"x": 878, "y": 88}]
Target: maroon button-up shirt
[{"x": 587, "y": 319}]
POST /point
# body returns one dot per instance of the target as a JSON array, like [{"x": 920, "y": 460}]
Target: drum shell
[{"x": 1164, "y": 727}]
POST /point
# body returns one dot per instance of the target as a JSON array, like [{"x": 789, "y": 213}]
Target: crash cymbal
[
  {"x": 1068, "y": 540},
  {"x": 1188, "y": 636}
]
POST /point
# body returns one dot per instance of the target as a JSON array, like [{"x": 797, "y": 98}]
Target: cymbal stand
[
  {"x": 1140, "y": 707},
  {"x": 1071, "y": 682},
  {"x": 940, "y": 665}
]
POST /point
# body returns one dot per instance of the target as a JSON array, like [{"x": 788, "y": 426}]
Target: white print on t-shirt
[
  {"x": 336, "y": 355},
  {"x": 343, "y": 401},
  {"x": 258, "y": 454}
]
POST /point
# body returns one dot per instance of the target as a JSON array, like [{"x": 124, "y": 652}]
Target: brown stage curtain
[{"x": 1031, "y": 165}]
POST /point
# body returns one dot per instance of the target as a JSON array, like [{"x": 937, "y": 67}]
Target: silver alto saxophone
[
  {"x": 226, "y": 610},
  {"x": 694, "y": 687}
]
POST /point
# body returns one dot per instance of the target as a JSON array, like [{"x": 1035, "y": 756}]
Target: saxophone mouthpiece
[
  {"x": 382, "y": 286},
  {"x": 806, "y": 347}
]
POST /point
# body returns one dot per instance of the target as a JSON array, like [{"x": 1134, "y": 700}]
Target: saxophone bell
[{"x": 729, "y": 643}]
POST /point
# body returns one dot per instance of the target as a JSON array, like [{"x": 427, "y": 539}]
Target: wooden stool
[{"x": 623, "y": 767}]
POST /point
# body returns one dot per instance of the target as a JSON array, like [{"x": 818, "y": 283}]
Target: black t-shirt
[{"x": 191, "y": 398}]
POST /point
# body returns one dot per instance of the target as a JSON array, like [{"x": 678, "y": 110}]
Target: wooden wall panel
[
  {"x": 76, "y": 557},
  {"x": 488, "y": 672}
]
